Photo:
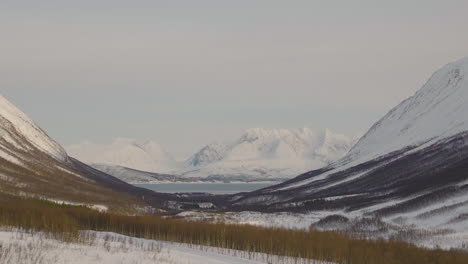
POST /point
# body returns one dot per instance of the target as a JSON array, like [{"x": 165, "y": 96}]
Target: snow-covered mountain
[
  {"x": 410, "y": 168},
  {"x": 34, "y": 165},
  {"x": 282, "y": 144},
  {"x": 19, "y": 131},
  {"x": 257, "y": 155},
  {"x": 145, "y": 156},
  {"x": 211, "y": 153},
  {"x": 437, "y": 111},
  {"x": 269, "y": 154}
]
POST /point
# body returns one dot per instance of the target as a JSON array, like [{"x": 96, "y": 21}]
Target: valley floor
[
  {"x": 428, "y": 236},
  {"x": 18, "y": 247}
]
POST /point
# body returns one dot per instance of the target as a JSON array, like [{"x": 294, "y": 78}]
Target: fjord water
[{"x": 213, "y": 188}]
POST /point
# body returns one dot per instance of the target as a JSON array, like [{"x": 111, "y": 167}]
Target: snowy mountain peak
[
  {"x": 258, "y": 154},
  {"x": 438, "y": 110},
  {"x": 32, "y": 135},
  {"x": 254, "y": 134},
  {"x": 154, "y": 149},
  {"x": 284, "y": 143},
  {"x": 210, "y": 153},
  {"x": 147, "y": 156},
  {"x": 270, "y": 153},
  {"x": 410, "y": 166}
]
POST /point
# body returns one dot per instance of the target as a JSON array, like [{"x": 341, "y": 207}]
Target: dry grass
[
  {"x": 40, "y": 175},
  {"x": 66, "y": 221}
]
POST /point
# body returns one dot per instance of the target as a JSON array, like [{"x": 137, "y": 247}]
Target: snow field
[{"x": 19, "y": 247}]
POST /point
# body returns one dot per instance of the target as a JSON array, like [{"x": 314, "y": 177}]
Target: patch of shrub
[{"x": 311, "y": 244}]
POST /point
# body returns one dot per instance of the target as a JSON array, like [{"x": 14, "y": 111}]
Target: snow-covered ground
[
  {"x": 280, "y": 220},
  {"x": 447, "y": 241},
  {"x": 97, "y": 207},
  {"x": 110, "y": 248},
  {"x": 422, "y": 235}
]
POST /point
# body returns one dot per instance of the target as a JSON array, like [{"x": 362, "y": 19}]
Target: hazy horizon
[{"x": 185, "y": 74}]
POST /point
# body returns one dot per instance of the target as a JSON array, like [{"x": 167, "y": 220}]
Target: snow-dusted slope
[
  {"x": 269, "y": 154},
  {"x": 438, "y": 110},
  {"x": 415, "y": 159},
  {"x": 147, "y": 156},
  {"x": 11, "y": 118},
  {"x": 208, "y": 154},
  {"x": 34, "y": 165}
]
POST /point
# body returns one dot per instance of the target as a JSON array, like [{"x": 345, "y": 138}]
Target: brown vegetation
[
  {"x": 329, "y": 246},
  {"x": 41, "y": 176}
]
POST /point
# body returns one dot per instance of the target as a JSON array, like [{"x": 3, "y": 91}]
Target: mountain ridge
[
  {"x": 257, "y": 155},
  {"x": 409, "y": 169},
  {"x": 125, "y": 152},
  {"x": 431, "y": 120},
  {"x": 33, "y": 165},
  {"x": 25, "y": 126}
]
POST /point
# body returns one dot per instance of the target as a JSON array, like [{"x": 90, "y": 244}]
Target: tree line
[{"x": 66, "y": 221}]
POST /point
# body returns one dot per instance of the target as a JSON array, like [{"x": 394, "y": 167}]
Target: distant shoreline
[{"x": 203, "y": 182}]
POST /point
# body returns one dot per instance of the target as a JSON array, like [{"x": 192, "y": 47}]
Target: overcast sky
[{"x": 185, "y": 73}]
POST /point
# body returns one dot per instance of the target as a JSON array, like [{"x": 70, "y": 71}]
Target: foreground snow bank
[{"x": 110, "y": 248}]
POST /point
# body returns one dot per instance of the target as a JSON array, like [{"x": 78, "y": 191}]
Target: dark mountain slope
[
  {"x": 33, "y": 165},
  {"x": 410, "y": 166}
]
